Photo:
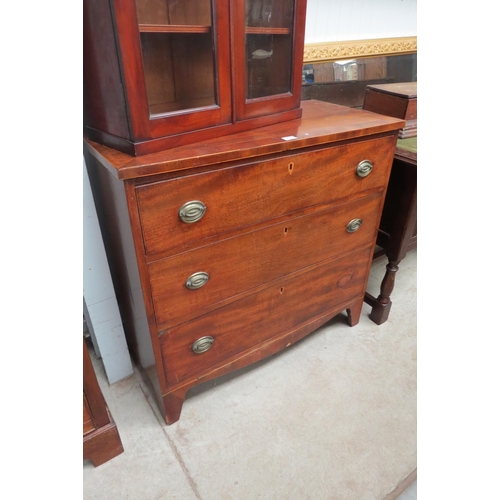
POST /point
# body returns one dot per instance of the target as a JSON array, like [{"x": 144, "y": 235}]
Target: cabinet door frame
[
  {"x": 252, "y": 108},
  {"x": 142, "y": 125}
]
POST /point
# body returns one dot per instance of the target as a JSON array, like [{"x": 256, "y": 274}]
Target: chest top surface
[{"x": 321, "y": 123}]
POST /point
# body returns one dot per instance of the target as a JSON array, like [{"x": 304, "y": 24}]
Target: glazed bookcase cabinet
[{"x": 165, "y": 73}]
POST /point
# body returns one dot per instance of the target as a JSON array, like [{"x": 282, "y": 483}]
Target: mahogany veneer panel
[
  {"x": 242, "y": 263},
  {"x": 283, "y": 307},
  {"x": 244, "y": 195}
]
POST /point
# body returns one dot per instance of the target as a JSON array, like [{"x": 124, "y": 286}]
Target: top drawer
[{"x": 247, "y": 194}]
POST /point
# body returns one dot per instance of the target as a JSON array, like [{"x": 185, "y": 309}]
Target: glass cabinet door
[
  {"x": 177, "y": 52},
  {"x": 177, "y": 66},
  {"x": 268, "y": 47},
  {"x": 268, "y": 43}
]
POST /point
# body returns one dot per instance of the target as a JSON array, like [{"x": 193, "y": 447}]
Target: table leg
[
  {"x": 401, "y": 209},
  {"x": 381, "y": 306}
]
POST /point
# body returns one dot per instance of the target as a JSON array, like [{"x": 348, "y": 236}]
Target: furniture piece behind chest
[
  {"x": 163, "y": 73},
  {"x": 395, "y": 99},
  {"x": 398, "y": 226},
  {"x": 101, "y": 440},
  {"x": 225, "y": 252}
]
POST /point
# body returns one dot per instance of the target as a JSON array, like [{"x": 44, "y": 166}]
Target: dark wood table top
[{"x": 406, "y": 89}]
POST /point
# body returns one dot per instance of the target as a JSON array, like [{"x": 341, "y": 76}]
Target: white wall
[
  {"x": 343, "y": 20},
  {"x": 99, "y": 300}
]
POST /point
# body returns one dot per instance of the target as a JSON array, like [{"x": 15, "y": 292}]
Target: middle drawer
[{"x": 195, "y": 282}]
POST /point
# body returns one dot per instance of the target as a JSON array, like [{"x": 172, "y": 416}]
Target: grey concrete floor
[
  {"x": 331, "y": 417},
  {"x": 410, "y": 493}
]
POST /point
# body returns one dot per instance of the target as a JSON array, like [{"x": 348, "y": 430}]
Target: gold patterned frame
[{"x": 331, "y": 51}]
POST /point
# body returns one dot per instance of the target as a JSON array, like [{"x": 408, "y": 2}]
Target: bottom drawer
[{"x": 243, "y": 324}]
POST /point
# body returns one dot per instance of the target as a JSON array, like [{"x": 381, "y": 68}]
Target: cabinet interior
[
  {"x": 177, "y": 53},
  {"x": 269, "y": 65},
  {"x": 268, "y": 31},
  {"x": 174, "y": 12},
  {"x": 179, "y": 71}
]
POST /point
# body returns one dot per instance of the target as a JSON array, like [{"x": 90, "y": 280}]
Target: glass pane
[
  {"x": 269, "y": 13},
  {"x": 175, "y": 12},
  {"x": 269, "y": 62},
  {"x": 268, "y": 38},
  {"x": 177, "y": 53}
]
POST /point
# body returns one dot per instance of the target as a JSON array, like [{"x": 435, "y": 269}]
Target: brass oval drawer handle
[
  {"x": 364, "y": 168},
  {"x": 197, "y": 280},
  {"x": 192, "y": 211},
  {"x": 203, "y": 344},
  {"x": 354, "y": 225}
]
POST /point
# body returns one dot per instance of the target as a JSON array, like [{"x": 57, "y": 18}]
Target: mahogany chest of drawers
[{"x": 228, "y": 251}]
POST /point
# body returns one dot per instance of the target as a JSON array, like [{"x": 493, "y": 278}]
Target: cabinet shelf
[
  {"x": 253, "y": 30},
  {"x": 173, "y": 28},
  {"x": 172, "y": 107},
  {"x": 183, "y": 28}
]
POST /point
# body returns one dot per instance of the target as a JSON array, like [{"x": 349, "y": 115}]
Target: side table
[{"x": 398, "y": 226}]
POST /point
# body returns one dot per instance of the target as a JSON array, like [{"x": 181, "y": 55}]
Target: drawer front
[
  {"x": 242, "y": 325},
  {"x": 244, "y": 195},
  {"x": 227, "y": 268}
]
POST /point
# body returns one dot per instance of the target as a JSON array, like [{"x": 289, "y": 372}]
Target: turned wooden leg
[
  {"x": 381, "y": 306},
  {"x": 398, "y": 220},
  {"x": 354, "y": 313},
  {"x": 173, "y": 405}
]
